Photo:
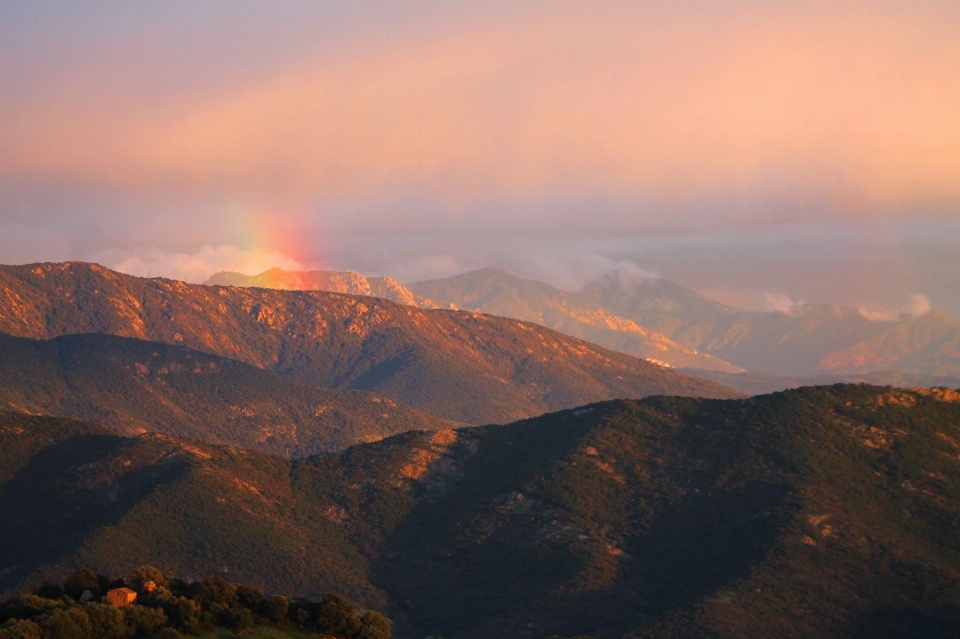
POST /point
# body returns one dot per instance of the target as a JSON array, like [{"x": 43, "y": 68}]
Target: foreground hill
[
  {"x": 132, "y": 386},
  {"x": 752, "y": 383},
  {"x": 331, "y": 281},
  {"x": 817, "y": 513},
  {"x": 461, "y": 366}
]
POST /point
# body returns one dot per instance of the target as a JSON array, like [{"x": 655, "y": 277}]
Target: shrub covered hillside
[
  {"x": 86, "y": 606},
  {"x": 816, "y": 513},
  {"x": 132, "y": 386}
]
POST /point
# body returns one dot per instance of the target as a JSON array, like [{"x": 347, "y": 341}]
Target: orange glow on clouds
[{"x": 857, "y": 103}]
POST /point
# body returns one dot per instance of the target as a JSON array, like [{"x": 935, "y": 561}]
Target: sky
[{"x": 765, "y": 153}]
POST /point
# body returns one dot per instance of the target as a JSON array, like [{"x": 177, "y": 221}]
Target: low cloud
[
  {"x": 918, "y": 304},
  {"x": 780, "y": 303},
  {"x": 197, "y": 267}
]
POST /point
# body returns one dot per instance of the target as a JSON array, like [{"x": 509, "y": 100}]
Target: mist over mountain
[
  {"x": 461, "y": 366},
  {"x": 927, "y": 344},
  {"x": 816, "y": 513},
  {"x": 664, "y": 322},
  {"x": 332, "y": 281},
  {"x": 497, "y": 292},
  {"x": 133, "y": 387}
]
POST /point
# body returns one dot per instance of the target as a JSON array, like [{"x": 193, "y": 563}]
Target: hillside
[
  {"x": 496, "y": 292},
  {"x": 927, "y": 344},
  {"x": 132, "y": 386},
  {"x": 465, "y": 367},
  {"x": 331, "y": 281},
  {"x": 76, "y": 495},
  {"x": 762, "y": 383},
  {"x": 828, "y": 512}
]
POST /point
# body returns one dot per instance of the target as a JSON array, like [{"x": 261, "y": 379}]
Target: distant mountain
[
  {"x": 465, "y": 367},
  {"x": 774, "y": 342},
  {"x": 132, "y": 387},
  {"x": 496, "y": 292},
  {"x": 331, "y": 281},
  {"x": 763, "y": 383},
  {"x": 821, "y": 513},
  {"x": 927, "y": 344}
]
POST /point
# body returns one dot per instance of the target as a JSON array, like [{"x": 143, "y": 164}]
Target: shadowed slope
[
  {"x": 799, "y": 514},
  {"x": 132, "y": 386}
]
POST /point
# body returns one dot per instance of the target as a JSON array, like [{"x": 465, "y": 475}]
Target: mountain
[
  {"x": 460, "y": 366},
  {"x": 132, "y": 387},
  {"x": 332, "y": 281},
  {"x": 77, "y": 495},
  {"x": 927, "y": 344},
  {"x": 762, "y": 383},
  {"x": 496, "y": 292},
  {"x": 821, "y": 513},
  {"x": 781, "y": 343}
]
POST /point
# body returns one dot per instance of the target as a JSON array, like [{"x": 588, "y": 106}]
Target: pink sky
[{"x": 545, "y": 118}]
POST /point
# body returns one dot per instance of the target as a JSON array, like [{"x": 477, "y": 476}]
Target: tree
[
  {"x": 276, "y": 608},
  {"x": 375, "y": 626},
  {"x": 21, "y": 629},
  {"x": 337, "y": 617},
  {"x": 143, "y": 574},
  {"x": 82, "y": 579}
]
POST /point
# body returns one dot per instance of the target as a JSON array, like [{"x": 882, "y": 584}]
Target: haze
[{"x": 763, "y": 153}]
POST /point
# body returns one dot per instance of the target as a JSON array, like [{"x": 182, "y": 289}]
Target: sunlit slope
[
  {"x": 496, "y": 292},
  {"x": 928, "y": 344},
  {"x": 462, "y": 366},
  {"x": 331, "y": 281}
]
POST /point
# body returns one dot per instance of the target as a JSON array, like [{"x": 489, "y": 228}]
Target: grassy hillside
[
  {"x": 461, "y": 366},
  {"x": 132, "y": 386},
  {"x": 817, "y": 513}
]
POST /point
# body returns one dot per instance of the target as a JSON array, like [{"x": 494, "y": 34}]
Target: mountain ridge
[
  {"x": 461, "y": 366},
  {"x": 131, "y": 386}
]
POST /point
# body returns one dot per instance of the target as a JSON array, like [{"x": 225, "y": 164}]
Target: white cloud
[
  {"x": 780, "y": 303},
  {"x": 918, "y": 304},
  {"x": 197, "y": 267}
]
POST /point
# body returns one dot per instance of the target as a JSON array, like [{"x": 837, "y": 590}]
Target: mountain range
[
  {"x": 825, "y": 512},
  {"x": 460, "y": 366},
  {"x": 658, "y": 320}
]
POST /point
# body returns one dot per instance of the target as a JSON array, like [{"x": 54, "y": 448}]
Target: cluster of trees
[{"x": 170, "y": 608}]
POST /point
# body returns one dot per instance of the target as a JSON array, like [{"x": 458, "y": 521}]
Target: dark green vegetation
[
  {"x": 752, "y": 383},
  {"x": 460, "y": 366},
  {"x": 132, "y": 386},
  {"x": 168, "y": 608},
  {"x": 819, "y": 512}
]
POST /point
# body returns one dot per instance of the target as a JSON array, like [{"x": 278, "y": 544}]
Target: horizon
[{"x": 794, "y": 152}]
